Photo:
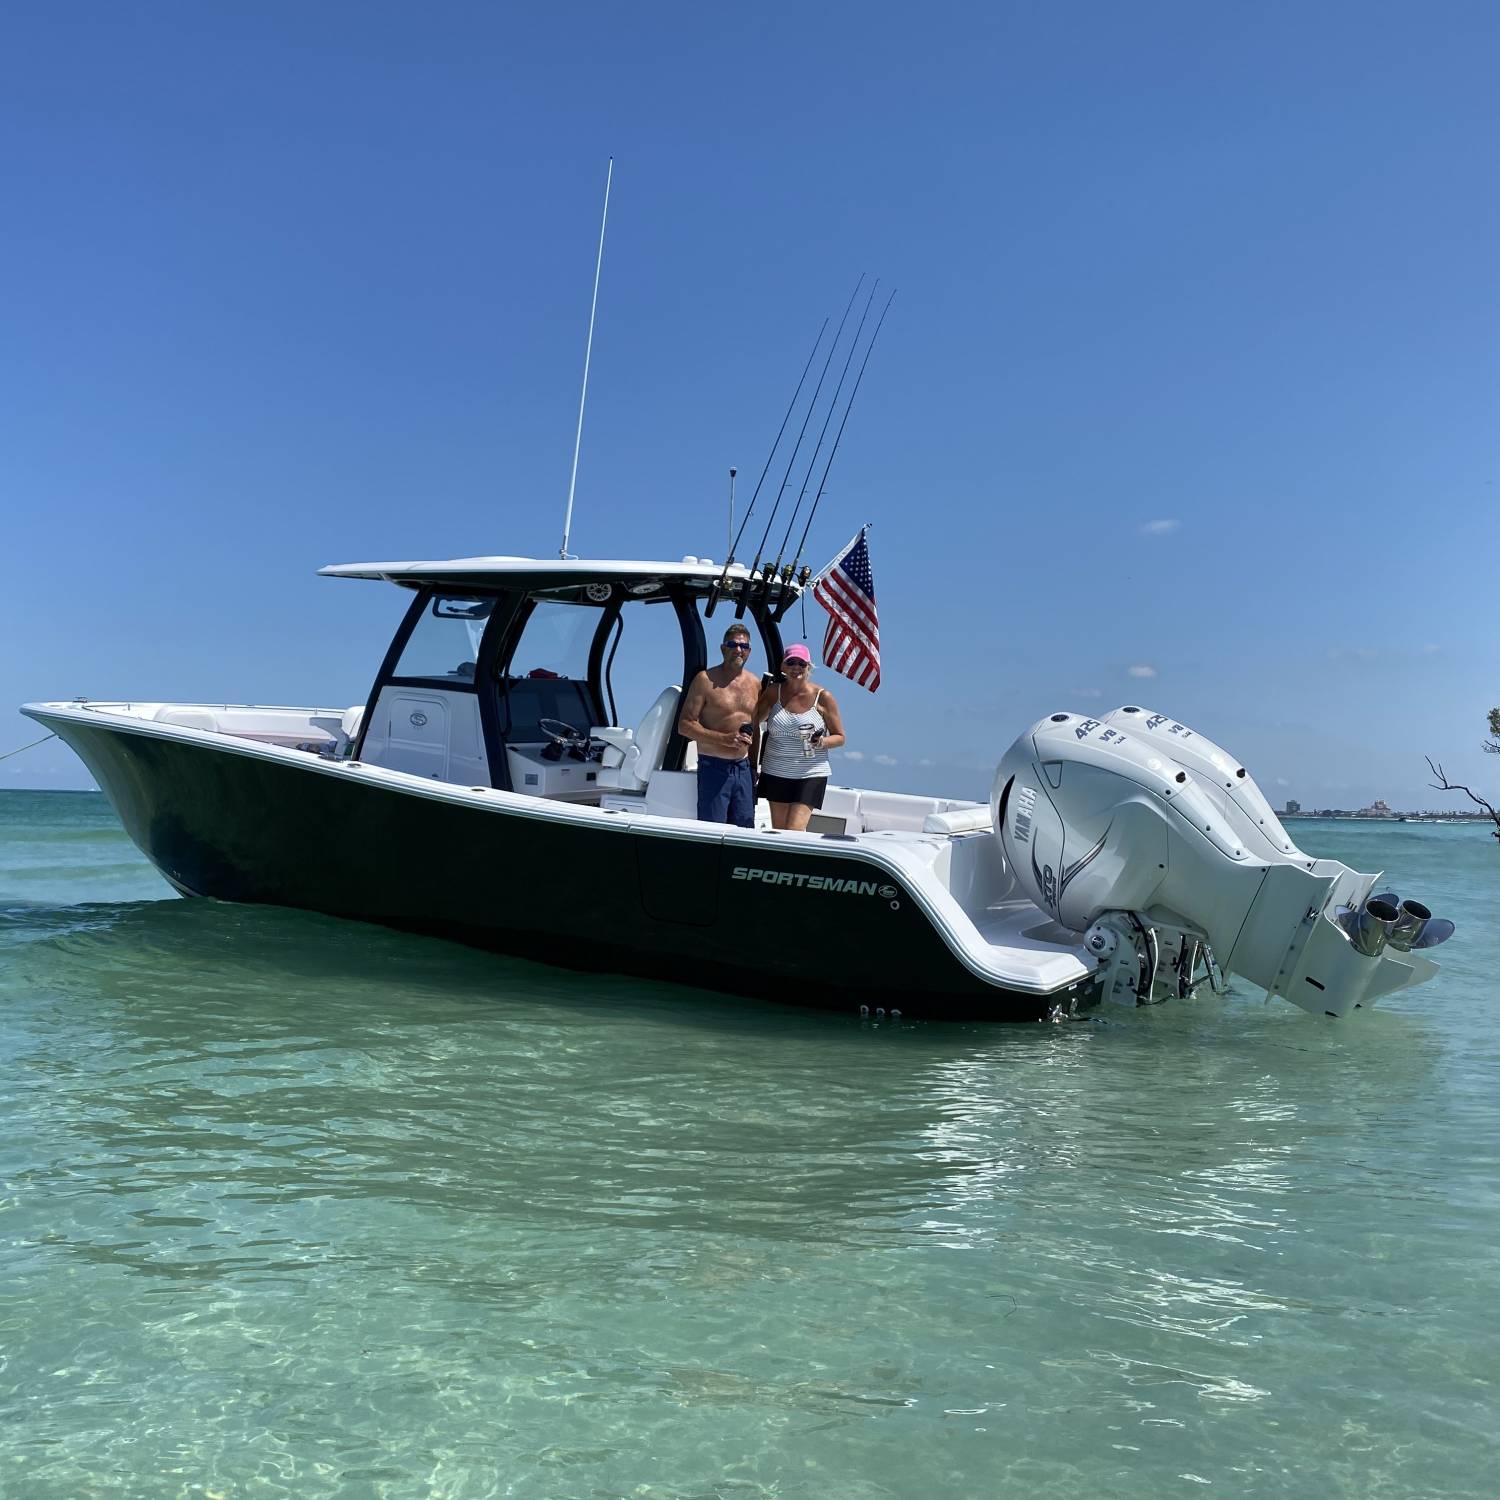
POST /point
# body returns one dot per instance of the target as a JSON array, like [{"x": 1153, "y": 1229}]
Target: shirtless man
[{"x": 719, "y": 702}]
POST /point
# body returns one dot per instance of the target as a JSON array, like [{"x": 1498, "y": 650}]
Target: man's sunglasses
[{"x": 736, "y": 645}]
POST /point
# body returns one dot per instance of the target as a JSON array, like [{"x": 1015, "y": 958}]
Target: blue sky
[{"x": 1188, "y": 398}]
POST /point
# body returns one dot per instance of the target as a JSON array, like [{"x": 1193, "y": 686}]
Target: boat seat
[
  {"x": 959, "y": 820},
  {"x": 672, "y": 794},
  {"x": 839, "y": 813},
  {"x": 632, "y": 758},
  {"x": 898, "y": 811}
]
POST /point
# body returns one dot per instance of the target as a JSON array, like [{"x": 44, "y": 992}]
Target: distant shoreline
[
  {"x": 1355, "y": 817},
  {"x": 1285, "y": 817},
  {"x": 54, "y": 791}
]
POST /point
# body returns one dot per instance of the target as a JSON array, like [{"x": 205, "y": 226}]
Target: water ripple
[{"x": 299, "y": 1207}]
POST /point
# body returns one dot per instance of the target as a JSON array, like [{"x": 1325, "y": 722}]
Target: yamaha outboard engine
[{"x": 1159, "y": 848}]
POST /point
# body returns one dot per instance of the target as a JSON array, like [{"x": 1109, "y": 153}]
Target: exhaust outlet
[
  {"x": 1370, "y": 928},
  {"x": 1410, "y": 925}
]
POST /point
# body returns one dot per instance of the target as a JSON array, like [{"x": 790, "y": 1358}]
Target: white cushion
[
  {"x": 893, "y": 810},
  {"x": 843, "y": 802},
  {"x": 655, "y": 730},
  {"x": 640, "y": 754},
  {"x": 960, "y": 820},
  {"x": 620, "y": 743}
]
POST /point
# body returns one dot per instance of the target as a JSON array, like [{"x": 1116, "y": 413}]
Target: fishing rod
[
  {"x": 797, "y": 447},
  {"x": 838, "y": 438},
  {"x": 718, "y": 588},
  {"x": 812, "y": 463}
]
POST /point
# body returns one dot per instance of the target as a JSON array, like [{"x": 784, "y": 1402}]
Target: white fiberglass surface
[{"x": 251, "y": 719}]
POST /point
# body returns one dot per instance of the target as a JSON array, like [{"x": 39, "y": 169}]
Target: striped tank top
[{"x": 785, "y": 736}]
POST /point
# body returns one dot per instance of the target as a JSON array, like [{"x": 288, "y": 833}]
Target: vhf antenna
[{"x": 588, "y": 351}]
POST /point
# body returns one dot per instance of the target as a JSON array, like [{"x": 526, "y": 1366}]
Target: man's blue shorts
[{"x": 725, "y": 794}]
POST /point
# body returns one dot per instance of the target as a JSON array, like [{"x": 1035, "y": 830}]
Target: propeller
[{"x": 1438, "y": 930}]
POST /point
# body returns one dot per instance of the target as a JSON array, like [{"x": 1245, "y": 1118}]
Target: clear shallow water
[{"x": 297, "y": 1207}]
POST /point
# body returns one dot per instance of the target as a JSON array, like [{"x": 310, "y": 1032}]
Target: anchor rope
[{"x": 31, "y": 746}]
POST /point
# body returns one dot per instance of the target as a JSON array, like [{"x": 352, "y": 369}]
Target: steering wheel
[
  {"x": 564, "y": 736},
  {"x": 563, "y": 739}
]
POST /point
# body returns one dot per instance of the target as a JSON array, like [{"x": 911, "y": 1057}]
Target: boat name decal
[{"x": 813, "y": 882}]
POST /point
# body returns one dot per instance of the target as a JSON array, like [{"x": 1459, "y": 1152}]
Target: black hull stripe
[{"x": 584, "y": 893}]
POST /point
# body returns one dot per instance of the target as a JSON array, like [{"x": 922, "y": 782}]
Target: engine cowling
[{"x": 1133, "y": 812}]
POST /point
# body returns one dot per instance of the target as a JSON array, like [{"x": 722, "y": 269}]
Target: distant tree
[{"x": 1491, "y": 746}]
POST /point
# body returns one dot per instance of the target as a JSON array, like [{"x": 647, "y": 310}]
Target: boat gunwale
[{"x": 915, "y": 876}]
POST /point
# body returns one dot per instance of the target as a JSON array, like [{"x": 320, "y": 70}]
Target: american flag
[{"x": 846, "y": 589}]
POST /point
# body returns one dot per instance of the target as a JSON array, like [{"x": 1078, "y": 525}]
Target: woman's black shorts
[{"x": 808, "y": 790}]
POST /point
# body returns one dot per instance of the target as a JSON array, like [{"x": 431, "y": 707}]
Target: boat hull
[{"x": 823, "y": 927}]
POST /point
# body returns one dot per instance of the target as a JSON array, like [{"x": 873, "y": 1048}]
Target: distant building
[
  {"x": 1377, "y": 809},
  {"x": 1293, "y": 807}
]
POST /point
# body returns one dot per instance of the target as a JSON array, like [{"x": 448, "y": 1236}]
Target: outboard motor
[{"x": 1159, "y": 847}]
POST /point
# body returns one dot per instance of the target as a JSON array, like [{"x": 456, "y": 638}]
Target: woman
[{"x": 801, "y": 724}]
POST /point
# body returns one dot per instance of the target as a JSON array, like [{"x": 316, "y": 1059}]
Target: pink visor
[{"x": 797, "y": 653}]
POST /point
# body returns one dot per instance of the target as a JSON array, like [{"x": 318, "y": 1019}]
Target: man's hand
[{"x": 734, "y": 740}]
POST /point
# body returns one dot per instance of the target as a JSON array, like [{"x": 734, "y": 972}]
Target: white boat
[{"x": 486, "y": 792}]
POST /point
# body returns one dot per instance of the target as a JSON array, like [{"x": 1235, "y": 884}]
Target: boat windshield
[
  {"x": 549, "y": 671},
  {"x": 555, "y": 641},
  {"x": 445, "y": 642}
]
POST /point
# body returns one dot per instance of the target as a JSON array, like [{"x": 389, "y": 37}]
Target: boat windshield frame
[{"x": 504, "y": 635}]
